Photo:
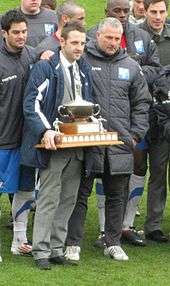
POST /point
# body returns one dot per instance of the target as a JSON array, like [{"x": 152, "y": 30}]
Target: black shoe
[
  {"x": 100, "y": 242},
  {"x": 43, "y": 264},
  {"x": 156, "y": 235},
  {"x": 59, "y": 260},
  {"x": 132, "y": 237}
]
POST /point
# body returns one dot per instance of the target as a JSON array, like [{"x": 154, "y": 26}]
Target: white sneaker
[
  {"x": 116, "y": 252},
  {"x": 0, "y": 259},
  {"x": 72, "y": 254},
  {"x": 14, "y": 248}
]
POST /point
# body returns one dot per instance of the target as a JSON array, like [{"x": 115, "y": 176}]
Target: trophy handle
[
  {"x": 96, "y": 109},
  {"x": 62, "y": 110},
  {"x": 65, "y": 112}
]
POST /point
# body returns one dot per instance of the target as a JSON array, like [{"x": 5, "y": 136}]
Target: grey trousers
[
  {"x": 159, "y": 155},
  {"x": 57, "y": 196}
]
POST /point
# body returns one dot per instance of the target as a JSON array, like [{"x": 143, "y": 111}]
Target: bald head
[{"x": 69, "y": 11}]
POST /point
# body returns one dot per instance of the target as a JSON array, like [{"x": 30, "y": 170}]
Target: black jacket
[
  {"x": 162, "y": 41},
  {"x": 14, "y": 69},
  {"x": 140, "y": 47},
  {"x": 160, "y": 111},
  {"x": 121, "y": 90}
]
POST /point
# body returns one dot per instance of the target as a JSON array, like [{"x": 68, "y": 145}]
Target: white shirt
[{"x": 66, "y": 64}]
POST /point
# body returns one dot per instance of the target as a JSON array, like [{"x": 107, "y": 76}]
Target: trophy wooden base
[
  {"x": 86, "y": 140},
  {"x": 79, "y": 127}
]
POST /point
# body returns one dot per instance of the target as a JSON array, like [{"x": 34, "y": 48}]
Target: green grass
[
  {"x": 147, "y": 266},
  {"x": 94, "y": 8}
]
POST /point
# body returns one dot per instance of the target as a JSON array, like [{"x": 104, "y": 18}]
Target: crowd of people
[{"x": 122, "y": 64}]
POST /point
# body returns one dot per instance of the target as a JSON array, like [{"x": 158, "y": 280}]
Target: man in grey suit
[{"x": 48, "y": 87}]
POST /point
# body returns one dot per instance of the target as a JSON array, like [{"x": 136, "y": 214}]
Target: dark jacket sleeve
[
  {"x": 35, "y": 94},
  {"x": 151, "y": 65},
  {"x": 140, "y": 99}
]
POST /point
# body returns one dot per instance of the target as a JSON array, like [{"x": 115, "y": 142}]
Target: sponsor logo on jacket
[
  {"x": 9, "y": 78},
  {"x": 49, "y": 29},
  {"x": 96, "y": 69},
  {"x": 123, "y": 73},
  {"x": 139, "y": 46}
]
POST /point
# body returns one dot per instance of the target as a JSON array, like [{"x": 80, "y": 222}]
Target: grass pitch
[{"x": 148, "y": 266}]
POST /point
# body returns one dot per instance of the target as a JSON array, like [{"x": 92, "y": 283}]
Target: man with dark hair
[
  {"x": 48, "y": 87},
  {"x": 13, "y": 53},
  {"x": 159, "y": 148},
  {"x": 41, "y": 22},
  {"x": 21, "y": 204},
  {"x": 49, "y": 4},
  {"x": 155, "y": 24}
]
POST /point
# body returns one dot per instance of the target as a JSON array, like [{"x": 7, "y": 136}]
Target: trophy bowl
[{"x": 79, "y": 109}]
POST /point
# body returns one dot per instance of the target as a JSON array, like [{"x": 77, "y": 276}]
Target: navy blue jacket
[{"x": 43, "y": 95}]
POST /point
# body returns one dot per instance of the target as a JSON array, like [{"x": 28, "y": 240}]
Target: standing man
[
  {"x": 66, "y": 12},
  {"x": 137, "y": 15},
  {"x": 120, "y": 89},
  {"x": 159, "y": 147},
  {"x": 13, "y": 53},
  {"x": 50, "y": 86},
  {"x": 49, "y": 4},
  {"x": 155, "y": 24},
  {"x": 41, "y": 22},
  {"x": 23, "y": 201},
  {"x": 142, "y": 48}
]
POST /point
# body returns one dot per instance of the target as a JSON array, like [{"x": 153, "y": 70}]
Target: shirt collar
[{"x": 65, "y": 62}]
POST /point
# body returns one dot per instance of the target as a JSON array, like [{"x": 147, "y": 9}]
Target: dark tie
[{"x": 72, "y": 80}]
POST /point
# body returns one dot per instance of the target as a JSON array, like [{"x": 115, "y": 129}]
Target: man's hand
[
  {"x": 47, "y": 55},
  {"x": 49, "y": 140}
]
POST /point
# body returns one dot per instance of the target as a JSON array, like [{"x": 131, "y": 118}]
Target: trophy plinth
[{"x": 79, "y": 127}]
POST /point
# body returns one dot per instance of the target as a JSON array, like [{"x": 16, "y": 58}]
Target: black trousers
[{"x": 116, "y": 191}]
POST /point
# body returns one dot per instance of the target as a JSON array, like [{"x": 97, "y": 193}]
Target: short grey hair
[
  {"x": 67, "y": 8},
  {"x": 113, "y": 22}
]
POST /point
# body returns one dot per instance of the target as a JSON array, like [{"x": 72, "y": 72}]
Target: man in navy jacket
[{"x": 48, "y": 87}]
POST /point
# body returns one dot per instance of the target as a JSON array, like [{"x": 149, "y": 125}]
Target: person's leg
[
  {"x": 47, "y": 202},
  {"x": 116, "y": 192},
  {"x": 159, "y": 155},
  {"x": 70, "y": 181},
  {"x": 136, "y": 184},
  {"x": 100, "y": 196},
  {"x": 136, "y": 188},
  {"x": 77, "y": 219},
  {"x": 22, "y": 203}
]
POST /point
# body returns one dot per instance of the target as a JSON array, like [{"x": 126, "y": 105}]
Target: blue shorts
[
  {"x": 9, "y": 170},
  {"x": 13, "y": 176},
  {"x": 142, "y": 145}
]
